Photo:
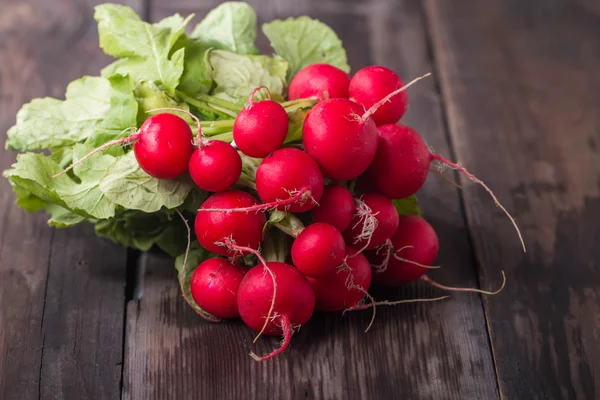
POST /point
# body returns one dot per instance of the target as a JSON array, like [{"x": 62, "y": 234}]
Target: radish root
[
  {"x": 388, "y": 248},
  {"x": 366, "y": 217},
  {"x": 286, "y": 327},
  {"x": 457, "y": 289},
  {"x": 350, "y": 284},
  {"x": 230, "y": 244},
  {"x": 203, "y": 314},
  {"x": 487, "y": 189},
  {"x": 393, "y": 303},
  {"x": 387, "y": 98},
  {"x": 301, "y": 196},
  {"x": 447, "y": 179},
  {"x": 125, "y": 140}
]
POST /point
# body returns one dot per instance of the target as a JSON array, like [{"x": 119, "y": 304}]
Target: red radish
[
  {"x": 212, "y": 227},
  {"x": 322, "y": 81},
  {"x": 214, "y": 286},
  {"x": 318, "y": 250},
  {"x": 215, "y": 166},
  {"x": 346, "y": 288},
  {"x": 369, "y": 85},
  {"x": 165, "y": 146},
  {"x": 340, "y": 141},
  {"x": 293, "y": 304},
  {"x": 336, "y": 207},
  {"x": 342, "y": 138},
  {"x": 402, "y": 162},
  {"x": 261, "y": 127},
  {"x": 415, "y": 246},
  {"x": 162, "y": 146},
  {"x": 287, "y": 172},
  {"x": 375, "y": 221}
]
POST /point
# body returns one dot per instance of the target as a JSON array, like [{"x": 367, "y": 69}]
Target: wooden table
[{"x": 515, "y": 97}]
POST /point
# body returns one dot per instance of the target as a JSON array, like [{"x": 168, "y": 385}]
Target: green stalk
[
  {"x": 228, "y": 123},
  {"x": 224, "y": 137},
  {"x": 221, "y": 103},
  {"x": 201, "y": 105},
  {"x": 293, "y": 105}
]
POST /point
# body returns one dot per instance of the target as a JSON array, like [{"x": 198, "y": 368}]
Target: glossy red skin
[
  {"x": 371, "y": 84},
  {"x": 260, "y": 128},
  {"x": 245, "y": 229},
  {"x": 341, "y": 145},
  {"x": 318, "y": 250},
  {"x": 214, "y": 287},
  {"x": 164, "y": 146},
  {"x": 332, "y": 293},
  {"x": 285, "y": 171},
  {"x": 216, "y": 166},
  {"x": 336, "y": 207},
  {"x": 294, "y": 298},
  {"x": 412, "y": 231},
  {"x": 387, "y": 222},
  {"x": 323, "y": 81},
  {"x": 401, "y": 164}
]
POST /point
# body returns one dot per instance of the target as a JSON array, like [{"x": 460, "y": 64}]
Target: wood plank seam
[
  {"x": 443, "y": 99},
  {"x": 48, "y": 261}
]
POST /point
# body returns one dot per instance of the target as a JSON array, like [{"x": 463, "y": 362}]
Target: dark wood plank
[
  {"x": 421, "y": 351},
  {"x": 521, "y": 85},
  {"x": 61, "y": 292}
]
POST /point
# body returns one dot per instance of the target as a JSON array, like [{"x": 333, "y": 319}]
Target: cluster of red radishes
[{"x": 355, "y": 160}]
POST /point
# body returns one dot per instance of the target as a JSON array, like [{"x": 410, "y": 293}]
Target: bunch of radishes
[{"x": 338, "y": 187}]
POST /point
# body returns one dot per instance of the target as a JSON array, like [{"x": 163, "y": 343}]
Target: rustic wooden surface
[{"x": 514, "y": 98}]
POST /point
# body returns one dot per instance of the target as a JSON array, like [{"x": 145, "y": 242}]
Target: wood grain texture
[
  {"x": 521, "y": 85},
  {"x": 61, "y": 292},
  {"x": 426, "y": 351}
]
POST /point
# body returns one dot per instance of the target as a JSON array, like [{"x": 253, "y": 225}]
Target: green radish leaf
[
  {"x": 51, "y": 123},
  {"x": 295, "y": 122},
  {"x": 87, "y": 194},
  {"x": 237, "y": 75},
  {"x": 194, "y": 200},
  {"x": 304, "y": 41},
  {"x": 230, "y": 26},
  {"x": 407, "y": 206},
  {"x": 133, "y": 228},
  {"x": 195, "y": 256},
  {"x": 197, "y": 72},
  {"x": 33, "y": 173},
  {"x": 144, "y": 49},
  {"x": 26, "y": 200},
  {"x": 150, "y": 97},
  {"x": 127, "y": 185},
  {"x": 61, "y": 217}
]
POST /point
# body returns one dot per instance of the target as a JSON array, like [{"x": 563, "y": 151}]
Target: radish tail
[
  {"x": 231, "y": 245},
  {"x": 487, "y": 189},
  {"x": 456, "y": 289},
  {"x": 203, "y": 314},
  {"x": 286, "y": 327},
  {"x": 300, "y": 196},
  {"x": 125, "y": 140},
  {"x": 387, "y": 98}
]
